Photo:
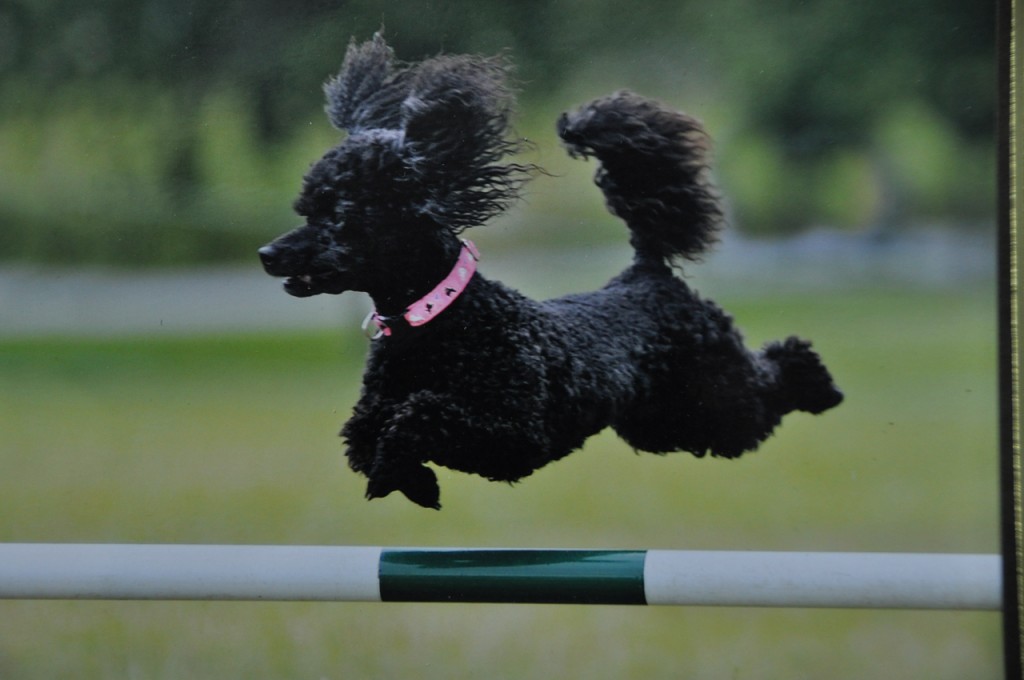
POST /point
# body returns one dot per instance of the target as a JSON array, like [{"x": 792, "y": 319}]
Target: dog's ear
[
  {"x": 367, "y": 91},
  {"x": 455, "y": 121},
  {"x": 456, "y": 107}
]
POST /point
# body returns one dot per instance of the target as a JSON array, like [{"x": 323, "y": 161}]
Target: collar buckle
[{"x": 374, "y": 326}]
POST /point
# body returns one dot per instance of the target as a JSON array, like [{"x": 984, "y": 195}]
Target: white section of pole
[
  {"x": 793, "y": 579},
  {"x": 188, "y": 572}
]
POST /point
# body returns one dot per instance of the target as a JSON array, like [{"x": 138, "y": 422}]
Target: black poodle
[{"x": 469, "y": 374}]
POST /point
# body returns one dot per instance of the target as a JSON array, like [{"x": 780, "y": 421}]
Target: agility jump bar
[{"x": 633, "y": 577}]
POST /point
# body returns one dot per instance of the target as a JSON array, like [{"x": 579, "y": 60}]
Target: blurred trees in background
[{"x": 147, "y": 131}]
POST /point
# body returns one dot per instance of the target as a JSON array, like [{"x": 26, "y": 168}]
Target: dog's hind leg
[
  {"x": 731, "y": 406},
  {"x": 804, "y": 382},
  {"x": 724, "y": 400}
]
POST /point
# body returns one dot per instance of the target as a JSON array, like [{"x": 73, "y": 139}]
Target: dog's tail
[
  {"x": 654, "y": 172},
  {"x": 804, "y": 382}
]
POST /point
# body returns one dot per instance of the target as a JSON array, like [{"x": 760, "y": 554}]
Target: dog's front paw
[{"x": 418, "y": 484}]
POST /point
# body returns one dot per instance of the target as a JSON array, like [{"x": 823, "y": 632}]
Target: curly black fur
[
  {"x": 654, "y": 171},
  {"x": 500, "y": 385},
  {"x": 445, "y": 119}
]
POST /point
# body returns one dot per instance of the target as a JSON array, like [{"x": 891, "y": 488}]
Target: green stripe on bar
[{"x": 526, "y": 576}]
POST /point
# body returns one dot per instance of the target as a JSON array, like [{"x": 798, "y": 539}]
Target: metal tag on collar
[{"x": 374, "y": 326}]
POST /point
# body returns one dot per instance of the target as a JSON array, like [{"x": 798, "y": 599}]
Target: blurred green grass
[{"x": 231, "y": 440}]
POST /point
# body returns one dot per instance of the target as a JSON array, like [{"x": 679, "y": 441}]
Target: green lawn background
[{"x": 232, "y": 440}]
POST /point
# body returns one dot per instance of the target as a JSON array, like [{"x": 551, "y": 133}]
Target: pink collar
[{"x": 434, "y": 302}]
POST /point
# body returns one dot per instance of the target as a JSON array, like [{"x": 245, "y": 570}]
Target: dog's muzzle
[{"x": 284, "y": 261}]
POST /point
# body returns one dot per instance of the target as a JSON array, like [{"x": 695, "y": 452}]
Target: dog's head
[{"x": 420, "y": 163}]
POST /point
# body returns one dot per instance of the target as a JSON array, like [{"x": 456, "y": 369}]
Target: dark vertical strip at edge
[{"x": 1009, "y": 387}]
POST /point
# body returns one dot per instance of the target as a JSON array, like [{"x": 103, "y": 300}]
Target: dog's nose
[{"x": 268, "y": 255}]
